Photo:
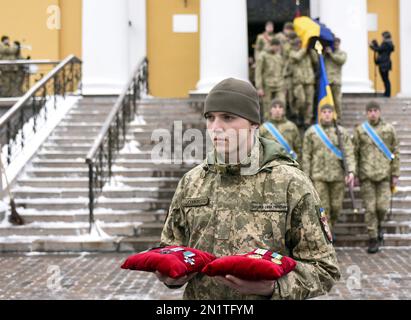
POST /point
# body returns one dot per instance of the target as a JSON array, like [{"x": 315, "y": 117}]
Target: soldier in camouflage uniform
[
  {"x": 263, "y": 200},
  {"x": 288, "y": 80},
  {"x": 263, "y": 41},
  {"x": 269, "y": 76},
  {"x": 302, "y": 64},
  {"x": 333, "y": 64},
  {"x": 284, "y": 35},
  {"x": 324, "y": 167},
  {"x": 287, "y": 128},
  {"x": 377, "y": 174},
  {"x": 7, "y": 73}
]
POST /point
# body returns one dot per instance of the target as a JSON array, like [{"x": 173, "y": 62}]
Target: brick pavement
[{"x": 386, "y": 275}]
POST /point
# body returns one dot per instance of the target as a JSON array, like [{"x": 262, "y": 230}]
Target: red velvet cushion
[
  {"x": 256, "y": 265},
  {"x": 170, "y": 261}
]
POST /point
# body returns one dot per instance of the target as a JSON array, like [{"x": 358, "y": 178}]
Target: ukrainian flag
[
  {"x": 314, "y": 34},
  {"x": 309, "y": 31},
  {"x": 324, "y": 91}
]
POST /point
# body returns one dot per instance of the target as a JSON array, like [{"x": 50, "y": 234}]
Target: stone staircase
[
  {"x": 52, "y": 192},
  {"x": 351, "y": 228}
]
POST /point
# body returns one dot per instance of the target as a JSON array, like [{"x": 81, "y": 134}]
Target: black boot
[
  {"x": 373, "y": 245},
  {"x": 380, "y": 236}
]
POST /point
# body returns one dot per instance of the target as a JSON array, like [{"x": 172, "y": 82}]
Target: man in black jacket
[{"x": 383, "y": 59}]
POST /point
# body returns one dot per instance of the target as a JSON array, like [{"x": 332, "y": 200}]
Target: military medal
[
  {"x": 276, "y": 258},
  {"x": 260, "y": 251},
  {"x": 254, "y": 256},
  {"x": 188, "y": 257}
]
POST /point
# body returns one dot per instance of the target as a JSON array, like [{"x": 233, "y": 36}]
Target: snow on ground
[
  {"x": 54, "y": 116},
  {"x": 131, "y": 147},
  {"x": 138, "y": 120}
]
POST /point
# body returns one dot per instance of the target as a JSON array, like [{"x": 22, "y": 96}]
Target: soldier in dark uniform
[{"x": 383, "y": 59}]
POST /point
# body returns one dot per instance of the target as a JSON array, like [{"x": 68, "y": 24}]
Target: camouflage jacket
[
  {"x": 333, "y": 64},
  {"x": 302, "y": 64},
  {"x": 269, "y": 71},
  {"x": 275, "y": 207},
  {"x": 371, "y": 162},
  {"x": 319, "y": 162},
  {"x": 7, "y": 52},
  {"x": 289, "y": 131},
  {"x": 262, "y": 43}
]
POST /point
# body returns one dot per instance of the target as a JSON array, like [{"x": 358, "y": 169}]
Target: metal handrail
[
  {"x": 27, "y": 61},
  {"x": 37, "y": 96},
  {"x": 115, "y": 125}
]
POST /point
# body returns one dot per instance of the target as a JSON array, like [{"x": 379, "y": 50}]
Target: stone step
[
  {"x": 397, "y": 202},
  {"x": 362, "y": 240},
  {"x": 138, "y": 244},
  {"x": 119, "y": 163},
  {"x": 124, "y": 192},
  {"x": 55, "y": 155},
  {"x": 58, "y": 244},
  {"x": 83, "y": 182},
  {"x": 67, "y": 148},
  {"x": 397, "y": 214},
  {"x": 68, "y": 229},
  {"x": 389, "y": 227},
  {"x": 118, "y": 173},
  {"x": 150, "y": 229},
  {"x": 104, "y": 203},
  {"x": 105, "y": 215}
]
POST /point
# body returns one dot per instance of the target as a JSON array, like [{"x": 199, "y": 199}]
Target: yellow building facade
[{"x": 52, "y": 29}]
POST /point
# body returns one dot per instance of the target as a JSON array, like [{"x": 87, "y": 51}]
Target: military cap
[
  {"x": 327, "y": 106},
  {"x": 289, "y": 25},
  {"x": 234, "y": 96},
  {"x": 277, "y": 102},
  {"x": 372, "y": 105}
]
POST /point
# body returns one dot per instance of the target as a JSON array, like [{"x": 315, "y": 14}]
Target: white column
[
  {"x": 223, "y": 42},
  {"x": 405, "y": 48},
  {"x": 348, "y": 20},
  {"x": 137, "y": 31},
  {"x": 105, "y": 46}
]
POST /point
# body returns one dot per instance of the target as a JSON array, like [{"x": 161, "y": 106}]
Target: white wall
[
  {"x": 105, "y": 46},
  {"x": 223, "y": 42},
  {"x": 348, "y": 20},
  {"x": 137, "y": 31}
]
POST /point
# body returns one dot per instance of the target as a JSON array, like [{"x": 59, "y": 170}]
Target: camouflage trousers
[
  {"x": 376, "y": 200},
  {"x": 303, "y": 101},
  {"x": 332, "y": 196},
  {"x": 337, "y": 96},
  {"x": 269, "y": 95},
  {"x": 289, "y": 94}
]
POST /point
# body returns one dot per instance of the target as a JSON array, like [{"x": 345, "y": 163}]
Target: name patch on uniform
[
  {"x": 195, "y": 202},
  {"x": 255, "y": 206}
]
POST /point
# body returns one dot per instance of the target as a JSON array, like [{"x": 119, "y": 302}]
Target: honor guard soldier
[
  {"x": 377, "y": 155},
  {"x": 282, "y": 130},
  {"x": 302, "y": 63},
  {"x": 232, "y": 204},
  {"x": 322, "y": 161},
  {"x": 334, "y": 61},
  {"x": 263, "y": 41},
  {"x": 269, "y": 76}
]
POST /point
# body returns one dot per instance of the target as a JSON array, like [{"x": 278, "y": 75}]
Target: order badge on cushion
[{"x": 324, "y": 224}]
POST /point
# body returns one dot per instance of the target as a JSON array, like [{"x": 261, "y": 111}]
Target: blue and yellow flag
[
  {"x": 314, "y": 34},
  {"x": 324, "y": 91},
  {"x": 309, "y": 30}
]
